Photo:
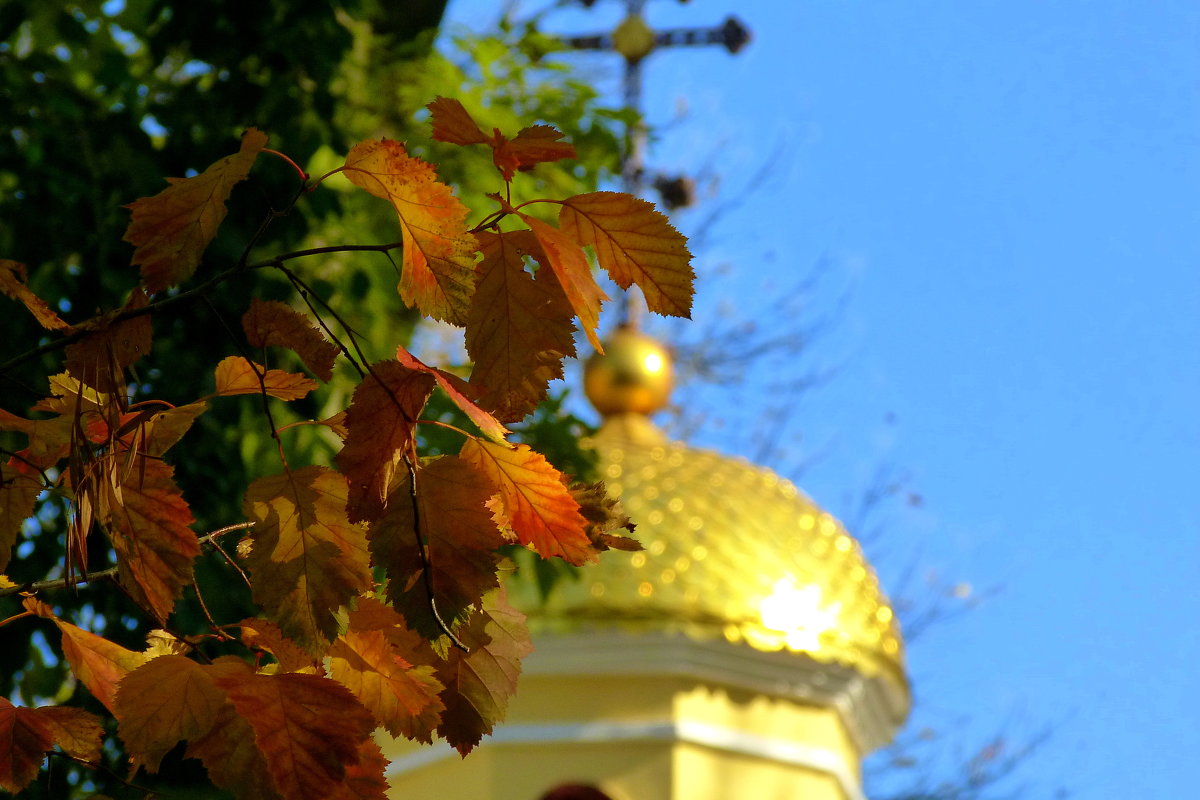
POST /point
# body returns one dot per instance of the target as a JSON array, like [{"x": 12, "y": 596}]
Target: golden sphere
[{"x": 634, "y": 375}]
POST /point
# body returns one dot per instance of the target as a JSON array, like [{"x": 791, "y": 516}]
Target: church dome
[{"x": 732, "y": 551}]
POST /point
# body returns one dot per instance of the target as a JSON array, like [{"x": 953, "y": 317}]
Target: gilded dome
[{"x": 732, "y": 550}]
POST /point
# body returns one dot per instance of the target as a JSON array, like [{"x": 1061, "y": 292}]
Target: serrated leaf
[
  {"x": 480, "y": 682},
  {"x": 519, "y": 329},
  {"x": 636, "y": 244},
  {"x": 76, "y": 731},
  {"x": 439, "y": 255},
  {"x": 266, "y": 635},
  {"x": 269, "y": 323},
  {"x": 379, "y": 426},
  {"x": 536, "y": 504},
  {"x": 461, "y": 542},
  {"x": 403, "y": 697},
  {"x": 27, "y": 734},
  {"x": 309, "y": 729},
  {"x": 165, "y": 701},
  {"x": 20, "y": 485},
  {"x": 98, "y": 663},
  {"x": 110, "y": 346},
  {"x": 533, "y": 145},
  {"x": 165, "y": 428},
  {"x": 236, "y": 375},
  {"x": 13, "y": 279},
  {"x": 172, "y": 229},
  {"x": 453, "y": 124},
  {"x": 365, "y": 780},
  {"x": 604, "y": 516},
  {"x": 459, "y": 392},
  {"x": 569, "y": 263},
  {"x": 307, "y": 559},
  {"x": 232, "y": 758},
  {"x": 148, "y": 523}
]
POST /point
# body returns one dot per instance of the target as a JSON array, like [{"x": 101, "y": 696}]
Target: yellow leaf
[
  {"x": 167, "y": 700},
  {"x": 172, "y": 229},
  {"x": 236, "y": 375},
  {"x": 13, "y": 277}
]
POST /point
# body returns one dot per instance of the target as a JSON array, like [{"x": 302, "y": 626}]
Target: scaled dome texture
[{"x": 732, "y": 551}]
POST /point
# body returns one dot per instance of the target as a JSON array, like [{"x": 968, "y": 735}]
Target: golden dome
[{"x": 732, "y": 550}]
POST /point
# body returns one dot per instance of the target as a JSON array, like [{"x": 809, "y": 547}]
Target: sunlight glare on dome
[{"x": 797, "y": 612}]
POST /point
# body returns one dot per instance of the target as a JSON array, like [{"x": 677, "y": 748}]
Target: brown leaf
[
  {"x": 265, "y": 635},
  {"x": 461, "y": 543},
  {"x": 172, "y": 229},
  {"x": 604, "y": 515},
  {"x": 459, "y": 392},
  {"x": 403, "y": 697},
  {"x": 307, "y": 559},
  {"x": 636, "y": 244},
  {"x": 148, "y": 523},
  {"x": 533, "y": 145},
  {"x": 101, "y": 357},
  {"x": 20, "y": 485},
  {"x": 13, "y": 279},
  {"x": 452, "y": 123},
  {"x": 165, "y": 428},
  {"x": 236, "y": 375},
  {"x": 269, "y": 323},
  {"x": 569, "y": 263},
  {"x": 232, "y": 758},
  {"x": 27, "y": 734},
  {"x": 309, "y": 729},
  {"x": 519, "y": 329},
  {"x": 98, "y": 663},
  {"x": 365, "y": 780},
  {"x": 76, "y": 731},
  {"x": 480, "y": 683},
  {"x": 379, "y": 425},
  {"x": 439, "y": 255},
  {"x": 536, "y": 505},
  {"x": 167, "y": 700}
]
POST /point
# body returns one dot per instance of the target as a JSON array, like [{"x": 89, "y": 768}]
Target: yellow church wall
[{"x": 702, "y": 773}]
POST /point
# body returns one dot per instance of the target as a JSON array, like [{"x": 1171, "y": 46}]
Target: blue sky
[{"x": 1006, "y": 195}]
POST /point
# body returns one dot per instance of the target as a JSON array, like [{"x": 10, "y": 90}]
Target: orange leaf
[
  {"x": 309, "y": 729},
  {"x": 365, "y": 780},
  {"x": 533, "y": 145},
  {"x": 264, "y": 634},
  {"x": 13, "y": 277},
  {"x": 148, "y": 523},
  {"x": 480, "y": 682},
  {"x": 236, "y": 375},
  {"x": 519, "y": 329},
  {"x": 439, "y": 254},
  {"x": 461, "y": 542},
  {"x": 566, "y": 259},
  {"x": 231, "y": 757},
  {"x": 172, "y": 229},
  {"x": 536, "y": 505},
  {"x": 165, "y": 428},
  {"x": 27, "y": 734},
  {"x": 636, "y": 244},
  {"x": 269, "y": 323},
  {"x": 379, "y": 425},
  {"x": 307, "y": 559},
  {"x": 167, "y": 700},
  {"x": 403, "y": 698},
  {"x": 20, "y": 485},
  {"x": 452, "y": 123},
  {"x": 458, "y": 390},
  {"x": 98, "y": 663},
  {"x": 101, "y": 357}
]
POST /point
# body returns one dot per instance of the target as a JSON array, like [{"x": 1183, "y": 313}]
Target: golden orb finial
[
  {"x": 634, "y": 375},
  {"x": 633, "y": 38}
]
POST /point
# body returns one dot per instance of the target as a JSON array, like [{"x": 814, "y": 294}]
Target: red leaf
[
  {"x": 307, "y": 559},
  {"x": 269, "y": 323},
  {"x": 172, "y": 229},
  {"x": 533, "y": 145},
  {"x": 13, "y": 277},
  {"x": 232, "y": 758},
  {"x": 379, "y": 426},
  {"x": 566, "y": 259},
  {"x": 20, "y": 485},
  {"x": 536, "y": 504},
  {"x": 439, "y": 254},
  {"x": 27, "y": 734},
  {"x": 236, "y": 375},
  {"x": 452, "y": 123},
  {"x": 636, "y": 244},
  {"x": 167, "y": 700},
  {"x": 458, "y": 390}
]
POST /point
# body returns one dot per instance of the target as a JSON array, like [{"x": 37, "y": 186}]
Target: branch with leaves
[{"x": 375, "y": 575}]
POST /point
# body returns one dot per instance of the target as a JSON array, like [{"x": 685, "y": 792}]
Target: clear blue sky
[{"x": 1008, "y": 193}]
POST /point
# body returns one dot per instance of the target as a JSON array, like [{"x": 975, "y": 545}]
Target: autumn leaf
[
  {"x": 480, "y": 682},
  {"x": 403, "y": 697},
  {"x": 165, "y": 428},
  {"x": 167, "y": 700},
  {"x": 307, "y": 559},
  {"x": 365, "y": 780},
  {"x": 460, "y": 537},
  {"x": 171, "y": 230},
  {"x": 519, "y": 328},
  {"x": 309, "y": 729},
  {"x": 439, "y": 255},
  {"x": 566, "y": 259},
  {"x": 13, "y": 279},
  {"x": 148, "y": 523},
  {"x": 636, "y": 244},
  {"x": 269, "y": 323},
  {"x": 20, "y": 485},
  {"x": 27, "y": 734},
  {"x": 233, "y": 760},
  {"x": 459, "y": 392},
  {"x": 535, "y": 503},
  {"x": 236, "y": 375},
  {"x": 379, "y": 425},
  {"x": 604, "y": 517},
  {"x": 453, "y": 124},
  {"x": 266, "y": 635},
  {"x": 110, "y": 346},
  {"x": 532, "y": 146},
  {"x": 97, "y": 662}
]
